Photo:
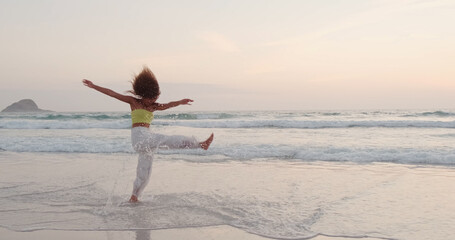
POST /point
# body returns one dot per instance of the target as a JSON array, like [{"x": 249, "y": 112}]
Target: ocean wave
[
  {"x": 58, "y": 124},
  {"x": 438, "y": 114},
  {"x": 96, "y": 120},
  {"x": 431, "y": 114},
  {"x": 194, "y": 116},
  {"x": 337, "y": 154},
  {"x": 64, "y": 116},
  {"x": 243, "y": 152},
  {"x": 308, "y": 124},
  {"x": 300, "y": 120},
  {"x": 209, "y": 123},
  {"x": 114, "y": 116}
]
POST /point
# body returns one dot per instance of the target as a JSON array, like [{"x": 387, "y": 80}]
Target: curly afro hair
[{"x": 145, "y": 84}]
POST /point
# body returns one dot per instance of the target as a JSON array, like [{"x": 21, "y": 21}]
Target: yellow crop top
[{"x": 141, "y": 116}]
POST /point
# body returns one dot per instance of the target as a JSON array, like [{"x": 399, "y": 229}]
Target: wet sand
[
  {"x": 82, "y": 196},
  {"x": 202, "y": 233}
]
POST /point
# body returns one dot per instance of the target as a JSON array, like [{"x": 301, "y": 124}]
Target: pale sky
[{"x": 231, "y": 55}]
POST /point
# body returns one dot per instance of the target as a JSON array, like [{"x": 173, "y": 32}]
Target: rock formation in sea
[{"x": 24, "y": 105}]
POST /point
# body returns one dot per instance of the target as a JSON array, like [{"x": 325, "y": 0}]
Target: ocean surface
[
  {"x": 409, "y": 137},
  {"x": 283, "y": 175}
]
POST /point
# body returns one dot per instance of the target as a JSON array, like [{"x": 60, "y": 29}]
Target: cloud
[{"x": 219, "y": 42}]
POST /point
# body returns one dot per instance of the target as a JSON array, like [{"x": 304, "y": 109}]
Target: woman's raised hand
[
  {"x": 186, "y": 101},
  {"x": 88, "y": 83}
]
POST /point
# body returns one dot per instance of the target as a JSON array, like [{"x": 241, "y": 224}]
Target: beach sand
[
  {"x": 83, "y": 196},
  {"x": 202, "y": 233}
]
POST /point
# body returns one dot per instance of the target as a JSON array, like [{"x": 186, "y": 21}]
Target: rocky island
[{"x": 24, "y": 105}]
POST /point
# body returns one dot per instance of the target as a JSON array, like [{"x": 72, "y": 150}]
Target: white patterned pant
[{"x": 146, "y": 143}]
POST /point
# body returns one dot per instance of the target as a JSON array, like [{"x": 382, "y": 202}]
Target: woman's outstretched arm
[
  {"x": 164, "y": 106},
  {"x": 109, "y": 92}
]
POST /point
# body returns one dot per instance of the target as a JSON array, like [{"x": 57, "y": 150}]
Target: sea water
[
  {"x": 262, "y": 174},
  {"x": 414, "y": 137}
]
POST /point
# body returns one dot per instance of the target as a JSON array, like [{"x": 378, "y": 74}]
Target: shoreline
[{"x": 221, "y": 232}]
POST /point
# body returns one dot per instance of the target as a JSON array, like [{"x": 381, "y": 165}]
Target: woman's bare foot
[
  {"x": 133, "y": 199},
  {"x": 206, "y": 144}
]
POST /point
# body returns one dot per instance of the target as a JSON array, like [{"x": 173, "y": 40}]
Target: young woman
[{"x": 146, "y": 91}]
